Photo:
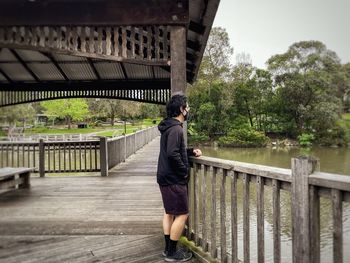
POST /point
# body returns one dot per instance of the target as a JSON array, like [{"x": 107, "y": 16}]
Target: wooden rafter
[
  {"x": 24, "y": 64},
  {"x": 53, "y": 61}
]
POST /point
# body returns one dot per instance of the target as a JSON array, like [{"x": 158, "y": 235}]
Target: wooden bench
[{"x": 11, "y": 178}]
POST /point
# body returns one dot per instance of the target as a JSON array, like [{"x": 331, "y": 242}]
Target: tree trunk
[
  {"x": 112, "y": 119},
  {"x": 68, "y": 121}
]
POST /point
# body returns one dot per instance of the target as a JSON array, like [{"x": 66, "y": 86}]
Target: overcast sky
[{"x": 263, "y": 28}]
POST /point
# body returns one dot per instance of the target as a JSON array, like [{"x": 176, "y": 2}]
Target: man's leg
[
  {"x": 176, "y": 232},
  {"x": 177, "y": 227},
  {"x": 167, "y": 223}
]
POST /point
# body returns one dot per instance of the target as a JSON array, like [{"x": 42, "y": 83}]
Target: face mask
[{"x": 185, "y": 114}]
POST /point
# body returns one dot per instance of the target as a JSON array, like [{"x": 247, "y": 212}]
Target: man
[{"x": 172, "y": 176}]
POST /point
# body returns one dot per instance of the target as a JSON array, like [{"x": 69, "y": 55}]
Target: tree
[
  {"x": 213, "y": 75},
  {"x": 217, "y": 55},
  {"x": 21, "y": 112},
  {"x": 68, "y": 109},
  {"x": 305, "y": 81}
]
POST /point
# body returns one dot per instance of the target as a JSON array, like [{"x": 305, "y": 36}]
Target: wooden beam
[
  {"x": 53, "y": 61},
  {"x": 87, "y": 85},
  {"x": 20, "y": 60},
  {"x": 124, "y": 71},
  {"x": 102, "y": 12},
  {"x": 94, "y": 68},
  {"x": 178, "y": 60},
  {"x": 196, "y": 27},
  {"x": 5, "y": 75},
  {"x": 194, "y": 45}
]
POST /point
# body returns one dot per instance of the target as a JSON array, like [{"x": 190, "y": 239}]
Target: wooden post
[
  {"x": 41, "y": 158},
  {"x": 104, "y": 156},
  {"x": 302, "y": 167},
  {"x": 178, "y": 64}
]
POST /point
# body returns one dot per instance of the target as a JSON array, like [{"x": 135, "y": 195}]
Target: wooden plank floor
[{"x": 87, "y": 218}]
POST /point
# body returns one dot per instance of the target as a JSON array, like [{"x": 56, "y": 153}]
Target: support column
[{"x": 178, "y": 64}]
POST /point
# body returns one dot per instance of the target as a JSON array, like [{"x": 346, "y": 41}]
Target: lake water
[{"x": 333, "y": 160}]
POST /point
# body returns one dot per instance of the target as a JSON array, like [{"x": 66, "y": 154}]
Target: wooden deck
[{"x": 86, "y": 218}]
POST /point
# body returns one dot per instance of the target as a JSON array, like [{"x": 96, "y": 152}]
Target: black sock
[
  {"x": 167, "y": 241},
  {"x": 172, "y": 247}
]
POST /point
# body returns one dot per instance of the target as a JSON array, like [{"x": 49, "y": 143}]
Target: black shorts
[{"x": 175, "y": 199}]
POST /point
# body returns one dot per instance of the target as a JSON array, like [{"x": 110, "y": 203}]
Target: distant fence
[
  {"x": 209, "y": 225},
  {"x": 74, "y": 156},
  {"x": 49, "y": 137}
]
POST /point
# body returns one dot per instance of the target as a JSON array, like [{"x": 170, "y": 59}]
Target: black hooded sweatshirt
[{"x": 173, "y": 157}]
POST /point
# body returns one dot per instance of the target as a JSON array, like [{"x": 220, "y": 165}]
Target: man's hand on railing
[{"x": 197, "y": 152}]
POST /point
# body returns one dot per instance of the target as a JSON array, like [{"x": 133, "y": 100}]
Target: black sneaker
[
  {"x": 164, "y": 253},
  {"x": 179, "y": 256}
]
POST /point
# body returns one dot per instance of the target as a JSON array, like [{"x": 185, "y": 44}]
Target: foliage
[
  {"x": 307, "y": 85},
  {"x": 125, "y": 110},
  {"x": 68, "y": 109},
  {"x": 243, "y": 138},
  {"x": 337, "y": 135},
  {"x": 306, "y": 139},
  {"x": 22, "y": 112}
]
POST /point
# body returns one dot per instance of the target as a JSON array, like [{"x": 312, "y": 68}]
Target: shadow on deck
[{"x": 87, "y": 219}]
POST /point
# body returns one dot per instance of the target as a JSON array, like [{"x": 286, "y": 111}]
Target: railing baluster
[
  {"x": 13, "y": 155},
  {"x": 54, "y": 156},
  {"x": 23, "y": 155},
  {"x": 234, "y": 246},
  {"x": 246, "y": 231},
  {"x": 70, "y": 156},
  {"x": 314, "y": 225},
  {"x": 18, "y": 158},
  {"x": 85, "y": 158},
  {"x": 337, "y": 208},
  {"x": 276, "y": 221},
  {"x": 90, "y": 155},
  {"x": 64, "y": 156},
  {"x": 260, "y": 219},
  {"x": 59, "y": 157},
  {"x": 75, "y": 156},
  {"x": 223, "y": 216},
  {"x": 28, "y": 155},
  {"x": 49, "y": 157},
  {"x": 204, "y": 208},
  {"x": 196, "y": 202},
  {"x": 213, "y": 251},
  {"x": 80, "y": 159}
]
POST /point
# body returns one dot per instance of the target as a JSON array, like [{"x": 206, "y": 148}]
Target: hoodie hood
[{"x": 167, "y": 123}]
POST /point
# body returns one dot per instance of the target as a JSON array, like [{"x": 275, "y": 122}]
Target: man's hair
[{"x": 173, "y": 106}]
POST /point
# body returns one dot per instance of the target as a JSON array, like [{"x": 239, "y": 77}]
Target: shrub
[
  {"x": 335, "y": 136},
  {"x": 306, "y": 139},
  {"x": 244, "y": 138}
]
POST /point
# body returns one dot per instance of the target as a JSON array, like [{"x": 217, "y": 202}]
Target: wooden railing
[
  {"x": 74, "y": 156},
  {"x": 304, "y": 183}
]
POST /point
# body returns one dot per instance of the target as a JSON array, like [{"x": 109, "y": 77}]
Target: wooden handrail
[{"x": 304, "y": 183}]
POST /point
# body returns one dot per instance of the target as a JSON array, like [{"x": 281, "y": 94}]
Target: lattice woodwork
[
  {"x": 155, "y": 96},
  {"x": 141, "y": 45}
]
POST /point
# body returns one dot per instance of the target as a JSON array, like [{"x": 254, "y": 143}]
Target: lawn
[
  {"x": 45, "y": 130},
  {"x": 108, "y": 131},
  {"x": 346, "y": 116}
]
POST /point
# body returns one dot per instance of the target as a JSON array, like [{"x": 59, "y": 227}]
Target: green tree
[
  {"x": 68, "y": 109},
  {"x": 306, "y": 86},
  {"x": 21, "y": 112},
  {"x": 214, "y": 74}
]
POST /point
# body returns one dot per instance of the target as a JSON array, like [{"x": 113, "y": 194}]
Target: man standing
[{"x": 172, "y": 176}]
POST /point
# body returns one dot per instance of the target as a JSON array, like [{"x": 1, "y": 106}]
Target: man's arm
[{"x": 173, "y": 151}]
